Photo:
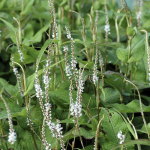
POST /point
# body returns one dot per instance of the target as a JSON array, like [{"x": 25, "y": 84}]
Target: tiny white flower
[
  {"x": 68, "y": 71},
  {"x": 38, "y": 90},
  {"x": 68, "y": 33},
  {"x": 46, "y": 81},
  {"x": 15, "y": 70},
  {"x": 48, "y": 147},
  {"x": 73, "y": 63},
  {"x": 101, "y": 60},
  {"x": 76, "y": 109},
  {"x": 121, "y": 137},
  {"x": 53, "y": 36},
  {"x": 139, "y": 15},
  {"x": 12, "y": 137},
  {"x": 95, "y": 77},
  {"x": 65, "y": 48},
  {"x": 107, "y": 28},
  {"x": 47, "y": 106},
  {"x": 29, "y": 121}
]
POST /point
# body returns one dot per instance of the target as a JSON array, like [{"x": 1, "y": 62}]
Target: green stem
[
  {"x": 117, "y": 29},
  {"x": 142, "y": 113},
  {"x": 60, "y": 65},
  {"x": 2, "y": 132},
  {"x": 54, "y": 76},
  {"x": 129, "y": 54},
  {"x": 22, "y": 6},
  {"x": 34, "y": 140},
  {"x": 131, "y": 71}
]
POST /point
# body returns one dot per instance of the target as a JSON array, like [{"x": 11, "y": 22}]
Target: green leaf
[
  {"x": 137, "y": 49},
  {"x": 2, "y": 3},
  {"x": 63, "y": 95},
  {"x": 132, "y": 107},
  {"x": 31, "y": 78},
  {"x": 11, "y": 90},
  {"x": 46, "y": 44},
  {"x": 122, "y": 54},
  {"x": 13, "y": 107},
  {"x": 88, "y": 147},
  {"x": 79, "y": 41},
  {"x": 115, "y": 80},
  {"x": 2, "y": 90},
  {"x": 38, "y": 36},
  {"x": 112, "y": 124},
  {"x": 133, "y": 142},
  {"x": 88, "y": 134},
  {"x": 27, "y": 58},
  {"x": 89, "y": 65},
  {"x": 143, "y": 130},
  {"x": 112, "y": 44},
  {"x": 111, "y": 137},
  {"x": 110, "y": 95},
  {"x": 11, "y": 30},
  {"x": 28, "y": 7},
  {"x": 24, "y": 138},
  {"x": 22, "y": 113},
  {"x": 130, "y": 31},
  {"x": 31, "y": 51},
  {"x": 120, "y": 125},
  {"x": 127, "y": 124},
  {"x": 29, "y": 31}
]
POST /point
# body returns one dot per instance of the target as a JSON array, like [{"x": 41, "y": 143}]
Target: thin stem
[
  {"x": 80, "y": 136},
  {"x": 20, "y": 38},
  {"x": 125, "y": 8},
  {"x": 139, "y": 147},
  {"x": 35, "y": 145},
  {"x": 2, "y": 132},
  {"x": 140, "y": 107},
  {"x": 97, "y": 132},
  {"x": 122, "y": 1},
  {"x": 83, "y": 35},
  {"x": 22, "y": 6},
  {"x": 117, "y": 29}
]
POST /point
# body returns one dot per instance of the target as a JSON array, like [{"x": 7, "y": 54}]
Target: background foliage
[{"x": 118, "y": 101}]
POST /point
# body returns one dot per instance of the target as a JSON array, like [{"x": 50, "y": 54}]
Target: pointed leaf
[
  {"x": 11, "y": 30},
  {"x": 133, "y": 142},
  {"x": 122, "y": 54},
  {"x": 137, "y": 49}
]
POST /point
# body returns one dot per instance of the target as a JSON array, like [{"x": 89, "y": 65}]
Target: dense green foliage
[{"x": 118, "y": 101}]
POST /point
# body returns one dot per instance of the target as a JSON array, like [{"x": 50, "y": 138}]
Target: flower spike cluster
[
  {"x": 139, "y": 15},
  {"x": 73, "y": 59},
  {"x": 76, "y": 107},
  {"x": 107, "y": 26},
  {"x": 37, "y": 86},
  {"x": 19, "y": 49},
  {"x": 12, "y": 134},
  {"x": 67, "y": 65},
  {"x": 59, "y": 133},
  {"x": 44, "y": 141},
  {"x": 52, "y": 11},
  {"x": 18, "y": 77},
  {"x": 38, "y": 89}
]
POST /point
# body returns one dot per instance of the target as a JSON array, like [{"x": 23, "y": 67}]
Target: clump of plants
[{"x": 74, "y": 75}]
